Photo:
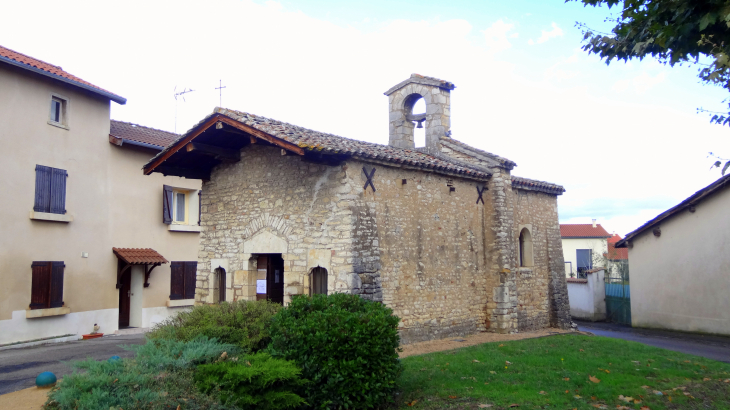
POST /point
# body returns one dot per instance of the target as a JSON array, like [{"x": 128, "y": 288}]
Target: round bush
[
  {"x": 242, "y": 323},
  {"x": 346, "y": 346}
]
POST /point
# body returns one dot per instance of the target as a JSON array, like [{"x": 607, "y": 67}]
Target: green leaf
[{"x": 706, "y": 20}]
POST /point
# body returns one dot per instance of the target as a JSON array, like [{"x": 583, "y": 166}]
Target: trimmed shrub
[
  {"x": 346, "y": 346},
  {"x": 243, "y": 323},
  {"x": 253, "y": 382},
  {"x": 160, "y": 377}
]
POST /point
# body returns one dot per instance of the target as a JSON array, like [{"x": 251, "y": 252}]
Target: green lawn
[{"x": 554, "y": 373}]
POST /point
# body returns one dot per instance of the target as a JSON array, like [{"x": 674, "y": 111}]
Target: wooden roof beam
[
  {"x": 264, "y": 136},
  {"x": 223, "y": 154}
]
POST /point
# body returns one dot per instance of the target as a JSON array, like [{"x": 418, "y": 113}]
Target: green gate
[{"x": 618, "y": 301}]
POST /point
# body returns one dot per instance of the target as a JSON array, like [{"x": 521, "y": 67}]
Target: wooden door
[
  {"x": 275, "y": 279},
  {"x": 125, "y": 291}
]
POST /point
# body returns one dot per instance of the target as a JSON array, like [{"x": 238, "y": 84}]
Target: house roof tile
[
  {"x": 21, "y": 60},
  {"x": 534, "y": 185},
  {"x": 583, "y": 231},
  {"x": 128, "y": 131},
  {"x": 139, "y": 256},
  {"x": 315, "y": 141}
]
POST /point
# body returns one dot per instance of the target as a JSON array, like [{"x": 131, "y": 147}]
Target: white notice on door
[{"x": 261, "y": 286}]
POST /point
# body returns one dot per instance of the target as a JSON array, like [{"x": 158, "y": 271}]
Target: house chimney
[{"x": 594, "y": 222}]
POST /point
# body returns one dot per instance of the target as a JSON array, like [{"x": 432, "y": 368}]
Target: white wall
[
  {"x": 680, "y": 280},
  {"x": 598, "y": 245},
  {"x": 588, "y": 297}
]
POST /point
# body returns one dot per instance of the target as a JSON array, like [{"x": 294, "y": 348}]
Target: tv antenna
[
  {"x": 180, "y": 94},
  {"x": 220, "y": 92}
]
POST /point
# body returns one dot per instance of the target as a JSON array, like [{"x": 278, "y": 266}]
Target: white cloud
[
  {"x": 547, "y": 35},
  {"x": 639, "y": 84},
  {"x": 496, "y": 36}
]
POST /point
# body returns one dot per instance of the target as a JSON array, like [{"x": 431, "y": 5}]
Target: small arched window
[
  {"x": 318, "y": 281},
  {"x": 525, "y": 248},
  {"x": 221, "y": 282}
]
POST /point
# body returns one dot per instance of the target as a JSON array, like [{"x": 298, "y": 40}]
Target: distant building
[
  {"x": 75, "y": 207},
  {"x": 584, "y": 247},
  {"x": 617, "y": 267},
  {"x": 680, "y": 264}
]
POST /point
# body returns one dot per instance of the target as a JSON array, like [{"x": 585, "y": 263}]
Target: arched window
[
  {"x": 525, "y": 248},
  {"x": 221, "y": 282},
  {"x": 318, "y": 281}
]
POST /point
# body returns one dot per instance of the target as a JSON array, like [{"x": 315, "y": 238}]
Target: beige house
[
  {"x": 73, "y": 191},
  {"x": 584, "y": 245},
  {"x": 443, "y": 234},
  {"x": 680, "y": 265}
]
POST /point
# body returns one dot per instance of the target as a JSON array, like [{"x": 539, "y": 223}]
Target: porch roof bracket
[
  {"x": 147, "y": 272},
  {"x": 120, "y": 271}
]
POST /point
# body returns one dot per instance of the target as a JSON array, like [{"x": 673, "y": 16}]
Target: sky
[{"x": 624, "y": 140}]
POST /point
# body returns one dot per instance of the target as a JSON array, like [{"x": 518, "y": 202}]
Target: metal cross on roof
[{"x": 220, "y": 92}]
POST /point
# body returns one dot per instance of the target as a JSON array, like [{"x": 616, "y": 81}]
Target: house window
[
  {"x": 319, "y": 281},
  {"x": 46, "y": 285},
  {"x": 50, "y": 190},
  {"x": 584, "y": 258},
  {"x": 58, "y": 114},
  {"x": 180, "y": 207},
  {"x": 182, "y": 280},
  {"x": 526, "y": 248}
]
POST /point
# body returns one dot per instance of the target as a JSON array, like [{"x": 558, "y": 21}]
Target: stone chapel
[{"x": 444, "y": 234}]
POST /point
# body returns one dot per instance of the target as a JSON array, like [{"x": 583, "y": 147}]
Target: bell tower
[{"x": 437, "y": 118}]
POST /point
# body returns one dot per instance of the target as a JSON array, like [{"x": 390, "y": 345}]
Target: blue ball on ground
[
  {"x": 114, "y": 359},
  {"x": 45, "y": 379}
]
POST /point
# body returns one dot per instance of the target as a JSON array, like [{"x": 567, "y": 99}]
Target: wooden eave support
[
  {"x": 213, "y": 120},
  {"x": 223, "y": 154},
  {"x": 122, "y": 267},
  {"x": 184, "y": 172},
  {"x": 147, "y": 271}
]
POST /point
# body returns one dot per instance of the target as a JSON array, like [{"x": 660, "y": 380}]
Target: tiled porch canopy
[{"x": 137, "y": 256}]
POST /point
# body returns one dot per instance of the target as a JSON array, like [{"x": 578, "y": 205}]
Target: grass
[{"x": 554, "y": 373}]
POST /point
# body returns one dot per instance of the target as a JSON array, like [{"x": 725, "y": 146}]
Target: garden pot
[{"x": 94, "y": 336}]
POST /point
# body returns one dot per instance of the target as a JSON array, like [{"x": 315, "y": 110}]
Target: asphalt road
[
  {"x": 19, "y": 367},
  {"x": 711, "y": 347}
]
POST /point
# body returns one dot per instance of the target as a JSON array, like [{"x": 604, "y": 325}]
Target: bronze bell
[{"x": 420, "y": 124}]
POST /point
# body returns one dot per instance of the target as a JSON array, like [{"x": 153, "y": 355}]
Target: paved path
[
  {"x": 711, "y": 347},
  {"x": 19, "y": 367}
]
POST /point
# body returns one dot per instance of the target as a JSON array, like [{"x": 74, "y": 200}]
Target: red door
[{"x": 124, "y": 294}]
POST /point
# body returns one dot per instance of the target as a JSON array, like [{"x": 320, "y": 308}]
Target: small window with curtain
[
  {"x": 46, "y": 285},
  {"x": 50, "y": 190},
  {"x": 318, "y": 281},
  {"x": 182, "y": 280}
]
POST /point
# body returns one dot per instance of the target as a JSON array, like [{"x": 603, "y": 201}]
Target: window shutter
[
  {"x": 177, "y": 280},
  {"x": 42, "y": 189},
  {"x": 57, "y": 284},
  {"x": 200, "y": 205},
  {"x": 166, "y": 204},
  {"x": 40, "y": 285},
  {"x": 190, "y": 273},
  {"x": 58, "y": 191}
]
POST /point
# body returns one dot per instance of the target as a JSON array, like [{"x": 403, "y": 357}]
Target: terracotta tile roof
[
  {"x": 422, "y": 79},
  {"x": 500, "y": 160},
  {"x": 139, "y": 256},
  {"x": 583, "y": 231},
  {"x": 541, "y": 186},
  {"x": 21, "y": 60},
  {"x": 138, "y": 133},
  {"x": 315, "y": 141},
  {"x": 688, "y": 204},
  {"x": 616, "y": 253}
]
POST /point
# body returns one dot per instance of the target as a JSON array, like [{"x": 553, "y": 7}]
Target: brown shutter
[
  {"x": 200, "y": 205},
  {"x": 41, "y": 285},
  {"x": 58, "y": 191},
  {"x": 57, "y": 284},
  {"x": 177, "y": 280},
  {"x": 42, "y": 189},
  {"x": 166, "y": 204},
  {"x": 190, "y": 273}
]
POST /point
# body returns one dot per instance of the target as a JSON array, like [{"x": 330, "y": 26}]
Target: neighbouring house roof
[
  {"x": 49, "y": 70},
  {"x": 616, "y": 254},
  {"x": 540, "y": 186},
  {"x": 421, "y": 79},
  {"x": 125, "y": 132},
  {"x": 139, "y": 256},
  {"x": 568, "y": 231},
  {"x": 295, "y": 138},
  {"x": 687, "y": 204}
]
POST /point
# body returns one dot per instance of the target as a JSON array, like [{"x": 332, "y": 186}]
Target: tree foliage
[{"x": 673, "y": 32}]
